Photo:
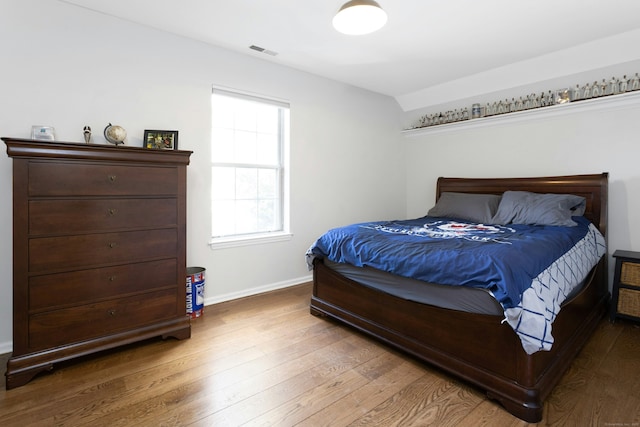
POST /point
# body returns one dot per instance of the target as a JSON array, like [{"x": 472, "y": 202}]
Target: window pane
[
  {"x": 246, "y": 216},
  {"x": 267, "y": 149},
  {"x": 222, "y": 145},
  {"x": 222, "y": 112},
  {"x": 246, "y": 184},
  {"x": 245, "y": 147},
  {"x": 224, "y": 218},
  {"x": 246, "y": 117},
  {"x": 223, "y": 183},
  {"x": 267, "y": 184},
  {"x": 267, "y": 215}
]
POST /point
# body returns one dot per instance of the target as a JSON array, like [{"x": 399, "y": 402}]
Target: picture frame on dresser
[{"x": 161, "y": 139}]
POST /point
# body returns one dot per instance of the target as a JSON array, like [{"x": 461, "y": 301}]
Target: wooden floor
[{"x": 265, "y": 360}]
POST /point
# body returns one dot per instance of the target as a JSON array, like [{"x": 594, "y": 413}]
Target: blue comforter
[{"x": 502, "y": 259}]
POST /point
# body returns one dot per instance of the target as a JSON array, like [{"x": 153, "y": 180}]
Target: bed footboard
[{"x": 469, "y": 346}]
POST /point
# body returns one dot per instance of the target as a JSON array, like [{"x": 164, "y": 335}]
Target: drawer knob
[
  {"x": 113, "y": 245},
  {"x": 112, "y": 211},
  {"x": 112, "y": 178},
  {"x": 112, "y": 278},
  {"x": 112, "y": 312}
]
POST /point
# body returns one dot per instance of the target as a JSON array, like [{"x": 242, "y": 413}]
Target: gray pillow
[
  {"x": 523, "y": 207},
  {"x": 479, "y": 208}
]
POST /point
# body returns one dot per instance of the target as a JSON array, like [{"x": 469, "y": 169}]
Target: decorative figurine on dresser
[
  {"x": 99, "y": 250},
  {"x": 625, "y": 299}
]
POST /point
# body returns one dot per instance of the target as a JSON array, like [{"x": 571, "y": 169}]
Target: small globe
[{"x": 115, "y": 134}]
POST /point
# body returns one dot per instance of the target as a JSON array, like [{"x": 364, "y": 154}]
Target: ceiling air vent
[{"x": 263, "y": 50}]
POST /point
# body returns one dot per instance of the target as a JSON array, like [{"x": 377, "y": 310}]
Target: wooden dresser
[{"x": 99, "y": 250}]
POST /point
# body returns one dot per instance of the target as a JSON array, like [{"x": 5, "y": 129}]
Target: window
[{"x": 249, "y": 176}]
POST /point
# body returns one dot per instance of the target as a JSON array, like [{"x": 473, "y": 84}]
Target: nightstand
[{"x": 626, "y": 286}]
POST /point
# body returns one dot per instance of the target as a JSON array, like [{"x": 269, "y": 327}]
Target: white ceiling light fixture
[{"x": 358, "y": 17}]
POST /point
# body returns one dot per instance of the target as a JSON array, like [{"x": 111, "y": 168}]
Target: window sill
[{"x": 256, "y": 239}]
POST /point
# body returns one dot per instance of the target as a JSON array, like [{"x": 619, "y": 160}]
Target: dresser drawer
[
  {"x": 629, "y": 302},
  {"x": 68, "y": 252},
  {"x": 81, "y": 179},
  {"x": 69, "y": 216},
  {"x": 85, "y": 286},
  {"x": 83, "y": 322},
  {"x": 630, "y": 274}
]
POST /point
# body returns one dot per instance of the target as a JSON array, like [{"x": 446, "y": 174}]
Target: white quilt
[{"x": 533, "y": 317}]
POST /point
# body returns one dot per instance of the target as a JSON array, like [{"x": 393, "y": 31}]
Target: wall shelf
[{"x": 608, "y": 102}]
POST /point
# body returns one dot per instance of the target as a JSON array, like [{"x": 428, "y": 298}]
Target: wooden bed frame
[{"x": 475, "y": 347}]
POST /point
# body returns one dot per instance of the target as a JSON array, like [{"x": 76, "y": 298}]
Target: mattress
[{"x": 461, "y": 298}]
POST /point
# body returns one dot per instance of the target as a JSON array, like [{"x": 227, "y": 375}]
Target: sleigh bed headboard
[{"x": 592, "y": 187}]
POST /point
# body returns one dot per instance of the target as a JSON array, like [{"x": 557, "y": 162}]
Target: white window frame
[{"x": 219, "y": 242}]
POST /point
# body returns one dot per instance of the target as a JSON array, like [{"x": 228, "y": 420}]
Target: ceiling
[{"x": 426, "y": 47}]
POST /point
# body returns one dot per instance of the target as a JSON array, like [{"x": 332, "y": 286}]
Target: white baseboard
[
  {"x": 258, "y": 290},
  {"x": 6, "y": 347}
]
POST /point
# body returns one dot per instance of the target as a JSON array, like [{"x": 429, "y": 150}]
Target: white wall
[
  {"x": 602, "y": 139},
  {"x": 68, "y": 67}
]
